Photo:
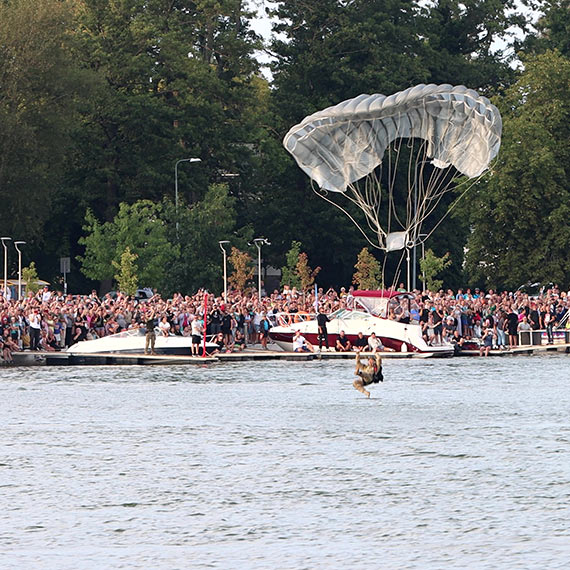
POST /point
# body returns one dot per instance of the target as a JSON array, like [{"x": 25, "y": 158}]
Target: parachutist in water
[{"x": 370, "y": 373}]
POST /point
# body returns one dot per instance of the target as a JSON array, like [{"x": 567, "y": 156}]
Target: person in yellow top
[{"x": 370, "y": 373}]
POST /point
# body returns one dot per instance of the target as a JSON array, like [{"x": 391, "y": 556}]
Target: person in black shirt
[
  {"x": 361, "y": 343},
  {"x": 80, "y": 332},
  {"x": 322, "y": 321},
  {"x": 215, "y": 320},
  {"x": 342, "y": 343},
  {"x": 227, "y": 327},
  {"x": 512, "y": 327}
]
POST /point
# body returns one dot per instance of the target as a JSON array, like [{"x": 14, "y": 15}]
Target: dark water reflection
[{"x": 461, "y": 463}]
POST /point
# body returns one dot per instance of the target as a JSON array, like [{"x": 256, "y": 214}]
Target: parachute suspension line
[
  {"x": 369, "y": 207},
  {"x": 472, "y": 182},
  {"x": 392, "y": 183},
  {"x": 322, "y": 194}
]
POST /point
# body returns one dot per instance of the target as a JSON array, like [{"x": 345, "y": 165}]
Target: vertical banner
[{"x": 316, "y": 299}]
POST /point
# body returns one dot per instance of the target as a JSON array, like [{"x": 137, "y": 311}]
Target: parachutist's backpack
[{"x": 378, "y": 376}]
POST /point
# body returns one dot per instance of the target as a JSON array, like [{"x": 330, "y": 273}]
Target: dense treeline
[{"x": 100, "y": 99}]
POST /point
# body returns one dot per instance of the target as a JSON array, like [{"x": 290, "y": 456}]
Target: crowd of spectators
[{"x": 50, "y": 320}]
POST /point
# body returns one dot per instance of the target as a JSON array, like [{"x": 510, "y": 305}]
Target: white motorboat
[
  {"x": 368, "y": 315},
  {"x": 133, "y": 341}
]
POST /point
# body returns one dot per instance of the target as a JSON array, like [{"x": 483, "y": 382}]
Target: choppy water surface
[{"x": 457, "y": 463}]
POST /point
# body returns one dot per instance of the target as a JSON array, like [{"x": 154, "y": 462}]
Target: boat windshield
[
  {"x": 129, "y": 333},
  {"x": 346, "y": 314}
]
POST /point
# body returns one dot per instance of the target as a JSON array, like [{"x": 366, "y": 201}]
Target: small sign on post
[{"x": 65, "y": 268}]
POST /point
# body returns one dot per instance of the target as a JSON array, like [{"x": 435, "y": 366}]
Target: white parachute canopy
[{"x": 341, "y": 148}]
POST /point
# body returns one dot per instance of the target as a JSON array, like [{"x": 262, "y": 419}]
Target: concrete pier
[{"x": 112, "y": 359}]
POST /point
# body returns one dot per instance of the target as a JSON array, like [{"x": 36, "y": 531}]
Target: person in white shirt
[
  {"x": 197, "y": 329},
  {"x": 46, "y": 295},
  {"x": 300, "y": 343},
  {"x": 164, "y": 326},
  {"x": 374, "y": 343},
  {"x": 35, "y": 320}
]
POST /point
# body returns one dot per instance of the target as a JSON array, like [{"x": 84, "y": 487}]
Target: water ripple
[{"x": 462, "y": 463}]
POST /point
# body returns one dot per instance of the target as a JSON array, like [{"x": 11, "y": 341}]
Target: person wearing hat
[{"x": 300, "y": 343}]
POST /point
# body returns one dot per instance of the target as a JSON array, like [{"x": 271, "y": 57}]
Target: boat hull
[
  {"x": 396, "y": 336},
  {"x": 133, "y": 342}
]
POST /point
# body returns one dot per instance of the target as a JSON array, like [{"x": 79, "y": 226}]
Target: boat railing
[{"x": 285, "y": 319}]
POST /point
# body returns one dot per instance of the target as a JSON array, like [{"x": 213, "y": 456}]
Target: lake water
[{"x": 454, "y": 463}]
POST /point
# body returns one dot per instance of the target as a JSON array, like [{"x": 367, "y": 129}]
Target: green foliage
[
  {"x": 40, "y": 84},
  {"x": 297, "y": 272},
  {"x": 100, "y": 98},
  {"x": 519, "y": 214},
  {"x": 552, "y": 29},
  {"x": 431, "y": 265},
  {"x": 30, "y": 278},
  {"x": 289, "y": 274},
  {"x": 368, "y": 273},
  {"x": 202, "y": 226},
  {"x": 139, "y": 227},
  {"x": 126, "y": 277}
]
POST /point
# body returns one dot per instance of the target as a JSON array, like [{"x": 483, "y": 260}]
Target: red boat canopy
[{"x": 383, "y": 294}]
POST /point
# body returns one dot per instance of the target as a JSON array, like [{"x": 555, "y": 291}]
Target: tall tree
[
  {"x": 202, "y": 226},
  {"x": 167, "y": 80},
  {"x": 552, "y": 30},
  {"x": 141, "y": 228},
  {"x": 470, "y": 42},
  {"x": 368, "y": 274},
  {"x": 519, "y": 214},
  {"x": 39, "y": 85}
]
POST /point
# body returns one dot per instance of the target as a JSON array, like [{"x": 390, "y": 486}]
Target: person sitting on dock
[
  {"x": 370, "y": 373},
  {"x": 342, "y": 343},
  {"x": 164, "y": 326},
  {"x": 219, "y": 340},
  {"x": 360, "y": 343},
  {"x": 375, "y": 344},
  {"x": 300, "y": 343},
  {"x": 7, "y": 347},
  {"x": 457, "y": 341},
  {"x": 239, "y": 341}
]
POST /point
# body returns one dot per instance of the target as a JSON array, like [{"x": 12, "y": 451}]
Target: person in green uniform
[
  {"x": 370, "y": 373},
  {"x": 150, "y": 337}
]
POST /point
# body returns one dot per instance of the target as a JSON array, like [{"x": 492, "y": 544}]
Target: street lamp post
[
  {"x": 176, "y": 184},
  {"x": 422, "y": 241},
  {"x": 16, "y": 244},
  {"x": 4, "y": 240},
  {"x": 258, "y": 243},
  {"x": 222, "y": 243}
]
